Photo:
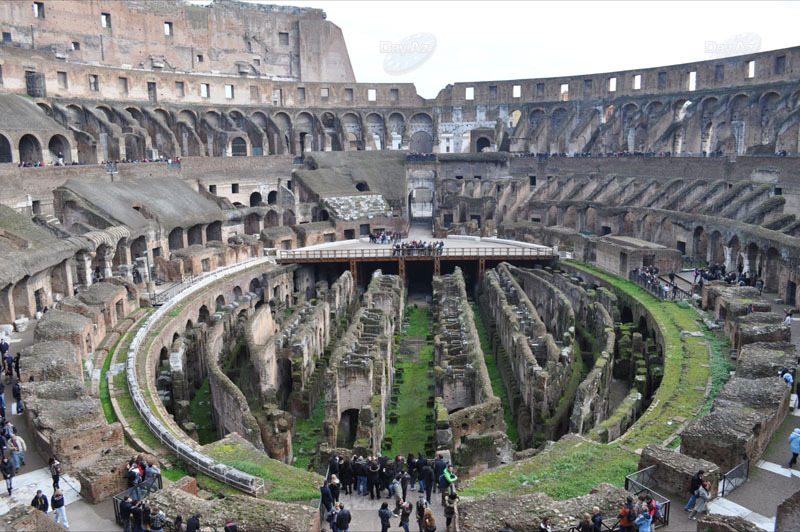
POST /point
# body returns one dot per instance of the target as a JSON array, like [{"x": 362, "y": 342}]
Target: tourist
[
  {"x": 40, "y": 502},
  {"x": 125, "y": 509},
  {"x": 343, "y": 519},
  {"x": 333, "y": 465},
  {"x": 597, "y": 519},
  {"x": 697, "y": 479},
  {"x": 421, "y": 507},
  {"x": 17, "y": 393},
  {"x": 643, "y": 521},
  {"x": 151, "y": 472},
  {"x": 18, "y": 449},
  {"x": 134, "y": 478},
  {"x": 586, "y": 524},
  {"x": 326, "y": 497},
  {"x": 136, "y": 517},
  {"x": 361, "y": 472},
  {"x": 18, "y": 356},
  {"x": 55, "y": 471},
  {"x": 397, "y": 493},
  {"x": 428, "y": 522},
  {"x": 412, "y": 469},
  {"x": 794, "y": 446},
  {"x": 346, "y": 476},
  {"x": 177, "y": 524},
  {"x": 700, "y": 504},
  {"x": 427, "y": 478},
  {"x": 438, "y": 469},
  {"x": 7, "y": 468},
  {"x": 626, "y": 516},
  {"x": 157, "y": 520},
  {"x": 385, "y": 515},
  {"x": 788, "y": 320},
  {"x": 57, "y": 503},
  {"x": 335, "y": 487},
  {"x": 193, "y": 524},
  {"x": 146, "y": 513},
  {"x": 230, "y": 526},
  {"x": 405, "y": 515},
  {"x": 450, "y": 509},
  {"x": 545, "y": 525},
  {"x": 373, "y": 480}
]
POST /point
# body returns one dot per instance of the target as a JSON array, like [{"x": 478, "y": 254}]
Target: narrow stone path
[{"x": 365, "y": 511}]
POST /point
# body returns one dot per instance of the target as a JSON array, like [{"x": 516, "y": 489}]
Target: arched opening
[
  {"x": 203, "y": 315},
  {"x": 214, "y": 231},
  {"x": 252, "y": 224},
  {"x": 348, "y": 428},
  {"x": 323, "y": 215},
  {"x": 237, "y": 292},
  {"x": 255, "y": 199},
  {"x": 238, "y": 147},
  {"x": 59, "y": 149},
  {"x": 483, "y": 144},
  {"x": 285, "y": 382},
  {"x": 289, "y": 218},
  {"x": 30, "y": 151},
  {"x": 626, "y": 316},
  {"x": 138, "y": 247},
  {"x": 272, "y": 219},
  {"x": 421, "y": 142},
  {"x": 176, "y": 239},
  {"x": 195, "y": 235},
  {"x": 220, "y": 302},
  {"x": 734, "y": 254},
  {"x": 362, "y": 186},
  {"x": 700, "y": 244},
  {"x": 772, "y": 270},
  {"x": 255, "y": 285},
  {"x": 5, "y": 150},
  {"x": 272, "y": 198}
]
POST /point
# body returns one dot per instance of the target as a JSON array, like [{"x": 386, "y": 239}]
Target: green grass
[
  {"x": 721, "y": 368},
  {"x": 307, "y": 433},
  {"x": 571, "y": 467},
  {"x": 409, "y": 433},
  {"x": 682, "y": 388},
  {"x": 282, "y": 482},
  {"x": 498, "y": 386},
  {"x": 174, "y": 474},
  {"x": 105, "y": 395},
  {"x": 200, "y": 414}
]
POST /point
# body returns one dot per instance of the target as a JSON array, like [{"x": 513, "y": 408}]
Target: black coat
[
  {"x": 427, "y": 475},
  {"x": 333, "y": 466},
  {"x": 343, "y": 519},
  {"x": 125, "y": 510},
  {"x": 696, "y": 481},
  {"x": 56, "y": 502},
  {"x": 193, "y": 524},
  {"x": 346, "y": 472},
  {"x": 438, "y": 468},
  {"x": 326, "y": 496},
  {"x": 40, "y": 503},
  {"x": 7, "y": 468}
]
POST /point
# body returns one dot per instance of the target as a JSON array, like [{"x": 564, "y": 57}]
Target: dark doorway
[
  {"x": 348, "y": 428},
  {"x": 238, "y": 147},
  {"x": 285, "y": 382},
  {"x": 255, "y": 199},
  {"x": 791, "y": 291},
  {"x": 482, "y": 144}
]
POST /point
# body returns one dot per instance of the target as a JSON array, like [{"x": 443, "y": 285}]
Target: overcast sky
[{"x": 477, "y": 41}]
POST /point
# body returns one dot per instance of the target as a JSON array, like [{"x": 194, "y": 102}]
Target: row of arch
[{"x": 29, "y": 148}]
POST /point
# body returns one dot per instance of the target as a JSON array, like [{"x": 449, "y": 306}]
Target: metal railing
[
  {"x": 169, "y": 439},
  {"x": 735, "y": 478},
  {"x": 640, "y": 482},
  {"x": 145, "y": 489},
  {"x": 387, "y": 252},
  {"x": 652, "y": 286}
]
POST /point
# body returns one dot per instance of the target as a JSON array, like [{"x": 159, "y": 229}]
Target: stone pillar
[
  {"x": 105, "y": 257},
  {"x": 7, "y": 314},
  {"x": 24, "y": 303},
  {"x": 83, "y": 262},
  {"x": 124, "y": 254},
  {"x": 61, "y": 279}
]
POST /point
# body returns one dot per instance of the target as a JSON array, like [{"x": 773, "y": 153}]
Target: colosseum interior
[{"x": 212, "y": 235}]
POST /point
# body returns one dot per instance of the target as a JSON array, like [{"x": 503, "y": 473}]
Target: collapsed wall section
[
  {"x": 469, "y": 417},
  {"x": 361, "y": 370}
]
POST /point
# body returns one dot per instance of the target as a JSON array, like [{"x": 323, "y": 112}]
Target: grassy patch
[
  {"x": 200, "y": 414},
  {"x": 570, "y": 467},
  {"x": 282, "y": 482},
  {"x": 721, "y": 367},
  {"x": 174, "y": 474},
  {"x": 409, "y": 433},
  {"x": 498, "y": 386},
  {"x": 683, "y": 385},
  {"x": 307, "y": 433},
  {"x": 105, "y": 394}
]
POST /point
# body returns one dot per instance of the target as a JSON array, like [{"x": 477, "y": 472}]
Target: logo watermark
[
  {"x": 408, "y": 54},
  {"x": 743, "y": 43}
]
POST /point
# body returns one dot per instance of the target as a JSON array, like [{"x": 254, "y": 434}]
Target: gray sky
[{"x": 498, "y": 40}]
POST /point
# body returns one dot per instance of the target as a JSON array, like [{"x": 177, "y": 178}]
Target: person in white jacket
[{"x": 18, "y": 448}]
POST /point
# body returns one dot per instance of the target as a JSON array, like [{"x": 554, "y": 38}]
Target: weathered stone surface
[
  {"x": 765, "y": 359},
  {"x": 674, "y": 471},
  {"x": 727, "y": 523},
  {"x": 787, "y": 518}
]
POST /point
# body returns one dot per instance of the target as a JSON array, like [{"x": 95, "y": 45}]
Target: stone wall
[{"x": 674, "y": 471}]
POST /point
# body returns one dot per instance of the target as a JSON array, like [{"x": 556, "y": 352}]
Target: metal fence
[
  {"x": 144, "y": 488},
  {"x": 159, "y": 298},
  {"x": 652, "y": 286},
  {"x": 388, "y": 252},
  {"x": 735, "y": 478},
  {"x": 172, "y": 440},
  {"x": 641, "y": 482}
]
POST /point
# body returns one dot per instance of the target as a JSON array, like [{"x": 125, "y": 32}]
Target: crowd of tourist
[
  {"x": 718, "y": 272},
  {"x": 418, "y": 249},
  {"x": 375, "y": 474},
  {"x": 649, "y": 279},
  {"x": 174, "y": 161},
  {"x": 385, "y": 238}
]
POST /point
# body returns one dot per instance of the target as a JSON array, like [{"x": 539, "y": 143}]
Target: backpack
[{"x": 443, "y": 482}]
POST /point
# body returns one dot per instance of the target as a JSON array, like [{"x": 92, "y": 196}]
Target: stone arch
[
  {"x": 272, "y": 219},
  {"x": 289, "y": 218},
  {"x": 272, "y": 197},
  {"x": 571, "y": 217},
  {"x": 188, "y": 117},
  {"x": 46, "y": 109},
  {"x": 552, "y": 216},
  {"x": 590, "y": 220},
  {"x": 768, "y": 107},
  {"x": 362, "y": 186},
  {"x": 666, "y": 234},
  {"x": 376, "y": 132},
  {"x": 482, "y": 144},
  {"x": 420, "y": 128},
  {"x": 60, "y": 144},
  {"x": 5, "y": 150},
  {"x": 716, "y": 248},
  {"x": 203, "y": 315},
  {"x": 738, "y": 107},
  {"x": 653, "y": 109},
  {"x": 649, "y": 228},
  {"x": 420, "y": 142},
  {"x": 238, "y": 147},
  {"x": 771, "y": 272},
  {"x": 214, "y": 119},
  {"x": 628, "y": 225},
  {"x": 735, "y": 257},
  {"x": 164, "y": 115},
  {"x": 176, "y": 239},
  {"x": 195, "y": 235},
  {"x": 237, "y": 292},
  {"x": 699, "y": 243},
  {"x": 557, "y": 118},
  {"x": 214, "y": 231},
  {"x": 30, "y": 148},
  {"x": 255, "y": 199},
  {"x": 304, "y": 128},
  {"x": 252, "y": 224},
  {"x": 753, "y": 255},
  {"x": 255, "y": 285},
  {"x": 220, "y": 301}
]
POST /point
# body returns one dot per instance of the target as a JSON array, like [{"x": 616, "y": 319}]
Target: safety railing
[
  {"x": 654, "y": 286},
  {"x": 159, "y": 298},
  {"x": 447, "y": 252},
  {"x": 640, "y": 482},
  {"x": 169, "y": 439},
  {"x": 735, "y": 478},
  {"x": 144, "y": 489}
]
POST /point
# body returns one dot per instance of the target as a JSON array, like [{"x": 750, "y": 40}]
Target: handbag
[{"x": 430, "y": 528}]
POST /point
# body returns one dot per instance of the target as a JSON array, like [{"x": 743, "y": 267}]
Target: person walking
[
  {"x": 697, "y": 479},
  {"x": 40, "y": 502},
  {"x": 427, "y": 478},
  {"x": 421, "y": 507},
  {"x": 125, "y": 510},
  {"x": 597, "y": 519},
  {"x": 331, "y": 519},
  {"x": 17, "y": 393},
  {"x": 586, "y": 524},
  {"x": 55, "y": 471},
  {"x": 701, "y": 504},
  {"x": 405, "y": 515},
  {"x": 57, "y": 503},
  {"x": 626, "y": 516},
  {"x": 346, "y": 476},
  {"x": 7, "y": 468},
  {"x": 450, "y": 509},
  {"x": 326, "y": 497},
  {"x": 385, "y": 516},
  {"x": 18, "y": 448},
  {"x": 438, "y": 469},
  {"x": 794, "y": 446},
  {"x": 343, "y": 519},
  {"x": 336, "y": 487},
  {"x": 643, "y": 521},
  {"x": 428, "y": 521},
  {"x": 193, "y": 524}
]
